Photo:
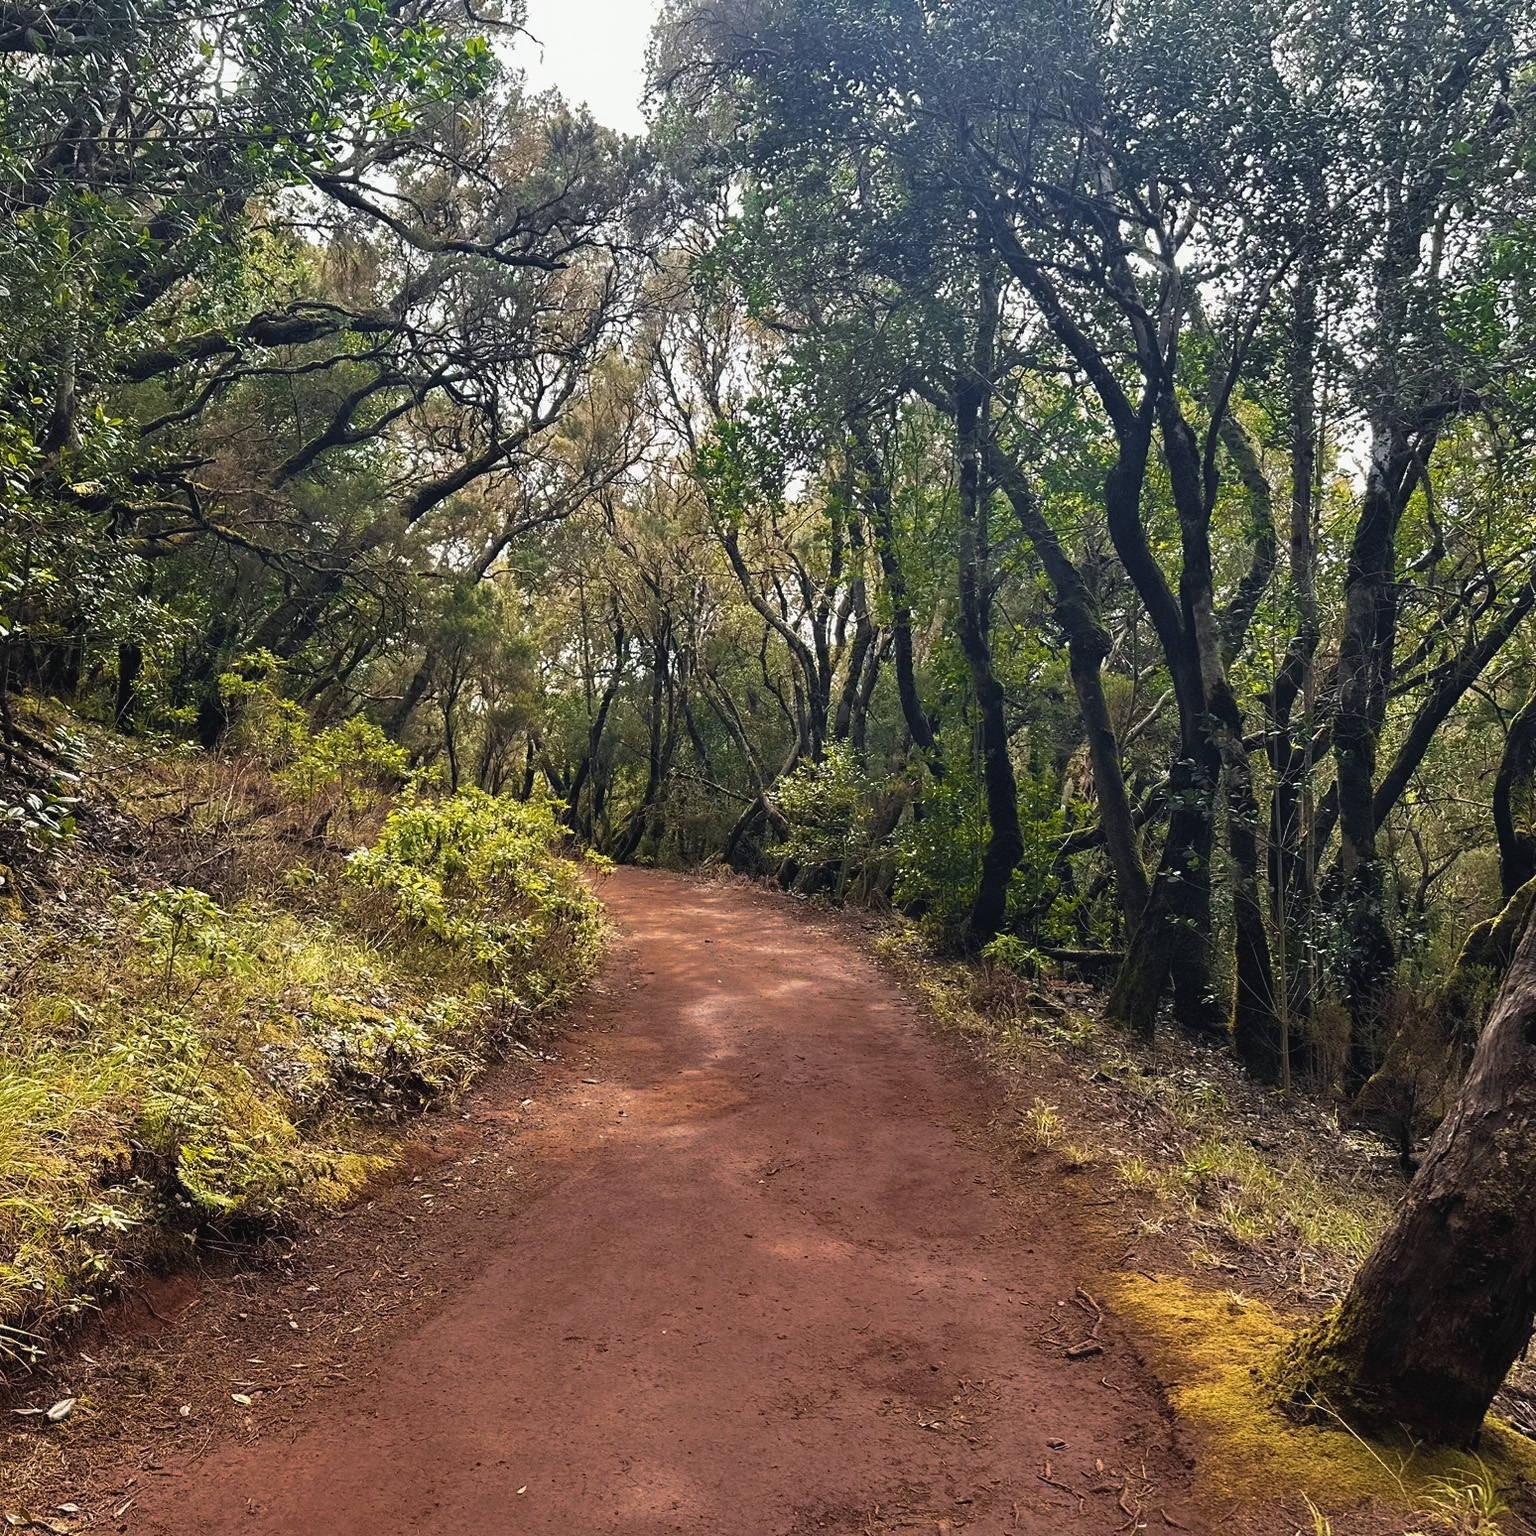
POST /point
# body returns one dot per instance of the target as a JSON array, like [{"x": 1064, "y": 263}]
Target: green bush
[
  {"x": 830, "y": 807},
  {"x": 352, "y": 757},
  {"x": 939, "y": 857},
  {"x": 173, "y": 1066}
]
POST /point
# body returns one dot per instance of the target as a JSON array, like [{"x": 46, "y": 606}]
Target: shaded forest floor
[{"x": 755, "y": 1252}]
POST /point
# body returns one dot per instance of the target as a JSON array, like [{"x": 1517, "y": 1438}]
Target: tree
[
  {"x": 290, "y": 292},
  {"x": 1445, "y": 1303}
]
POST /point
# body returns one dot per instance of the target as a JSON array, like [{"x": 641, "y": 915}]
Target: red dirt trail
[{"x": 782, "y": 1282}]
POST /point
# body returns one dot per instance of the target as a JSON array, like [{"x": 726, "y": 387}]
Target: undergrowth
[
  {"x": 245, "y": 968},
  {"x": 1212, "y": 1161}
]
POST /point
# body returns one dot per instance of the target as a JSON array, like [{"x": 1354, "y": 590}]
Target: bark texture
[
  {"x": 1445, "y": 1303},
  {"x": 1005, "y": 840}
]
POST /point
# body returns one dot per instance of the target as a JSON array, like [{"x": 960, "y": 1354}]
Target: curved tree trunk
[
  {"x": 919, "y": 726},
  {"x": 1514, "y": 802},
  {"x": 1087, "y": 646},
  {"x": 573, "y": 817},
  {"x": 1445, "y": 1303}
]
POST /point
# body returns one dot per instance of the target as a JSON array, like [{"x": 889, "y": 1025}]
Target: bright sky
[{"x": 594, "y": 52}]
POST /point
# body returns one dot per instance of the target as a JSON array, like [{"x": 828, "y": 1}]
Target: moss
[
  {"x": 347, "y": 1177},
  {"x": 1220, "y": 1356}
]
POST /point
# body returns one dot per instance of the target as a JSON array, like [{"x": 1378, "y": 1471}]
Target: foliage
[
  {"x": 175, "y": 1068},
  {"x": 351, "y": 756},
  {"x": 831, "y": 807},
  {"x": 475, "y": 872},
  {"x": 939, "y": 858}
]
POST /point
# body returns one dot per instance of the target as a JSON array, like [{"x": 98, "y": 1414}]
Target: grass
[
  {"x": 1194, "y": 1163},
  {"x": 1040, "y": 1129},
  {"x": 185, "y": 1067}
]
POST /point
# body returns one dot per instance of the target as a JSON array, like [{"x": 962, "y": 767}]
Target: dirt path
[{"x": 780, "y": 1282}]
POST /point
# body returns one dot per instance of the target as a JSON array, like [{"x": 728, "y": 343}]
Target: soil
[{"x": 752, "y": 1258}]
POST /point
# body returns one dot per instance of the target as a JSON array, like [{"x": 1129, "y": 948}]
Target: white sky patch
[{"x": 592, "y": 51}]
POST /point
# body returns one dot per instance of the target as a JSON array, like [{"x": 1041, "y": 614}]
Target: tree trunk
[
  {"x": 130, "y": 663},
  {"x": 1258, "y": 1034},
  {"x": 1366, "y": 651},
  {"x": 1173, "y": 940},
  {"x": 1292, "y": 856},
  {"x": 919, "y": 727},
  {"x": 1005, "y": 841},
  {"x": 1514, "y": 802},
  {"x": 1445, "y": 1303},
  {"x": 415, "y": 692},
  {"x": 1087, "y": 646},
  {"x": 595, "y": 733},
  {"x": 660, "y": 730}
]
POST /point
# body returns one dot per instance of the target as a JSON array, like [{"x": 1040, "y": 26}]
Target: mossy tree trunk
[{"x": 1445, "y": 1303}]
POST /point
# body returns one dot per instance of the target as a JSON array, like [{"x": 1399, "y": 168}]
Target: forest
[{"x": 1061, "y": 476}]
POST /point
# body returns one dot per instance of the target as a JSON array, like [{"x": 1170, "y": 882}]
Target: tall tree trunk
[
  {"x": 1005, "y": 840},
  {"x": 634, "y": 830},
  {"x": 584, "y": 771},
  {"x": 1292, "y": 858},
  {"x": 530, "y": 768},
  {"x": 1258, "y": 1034},
  {"x": 864, "y": 637},
  {"x": 1366, "y": 651},
  {"x": 1514, "y": 802},
  {"x": 1088, "y": 645},
  {"x": 451, "y": 736},
  {"x": 1445, "y": 1303},
  {"x": 1174, "y": 940},
  {"x": 882, "y": 520}
]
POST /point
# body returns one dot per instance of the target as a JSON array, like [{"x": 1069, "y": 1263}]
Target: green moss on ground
[{"x": 1217, "y": 1352}]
